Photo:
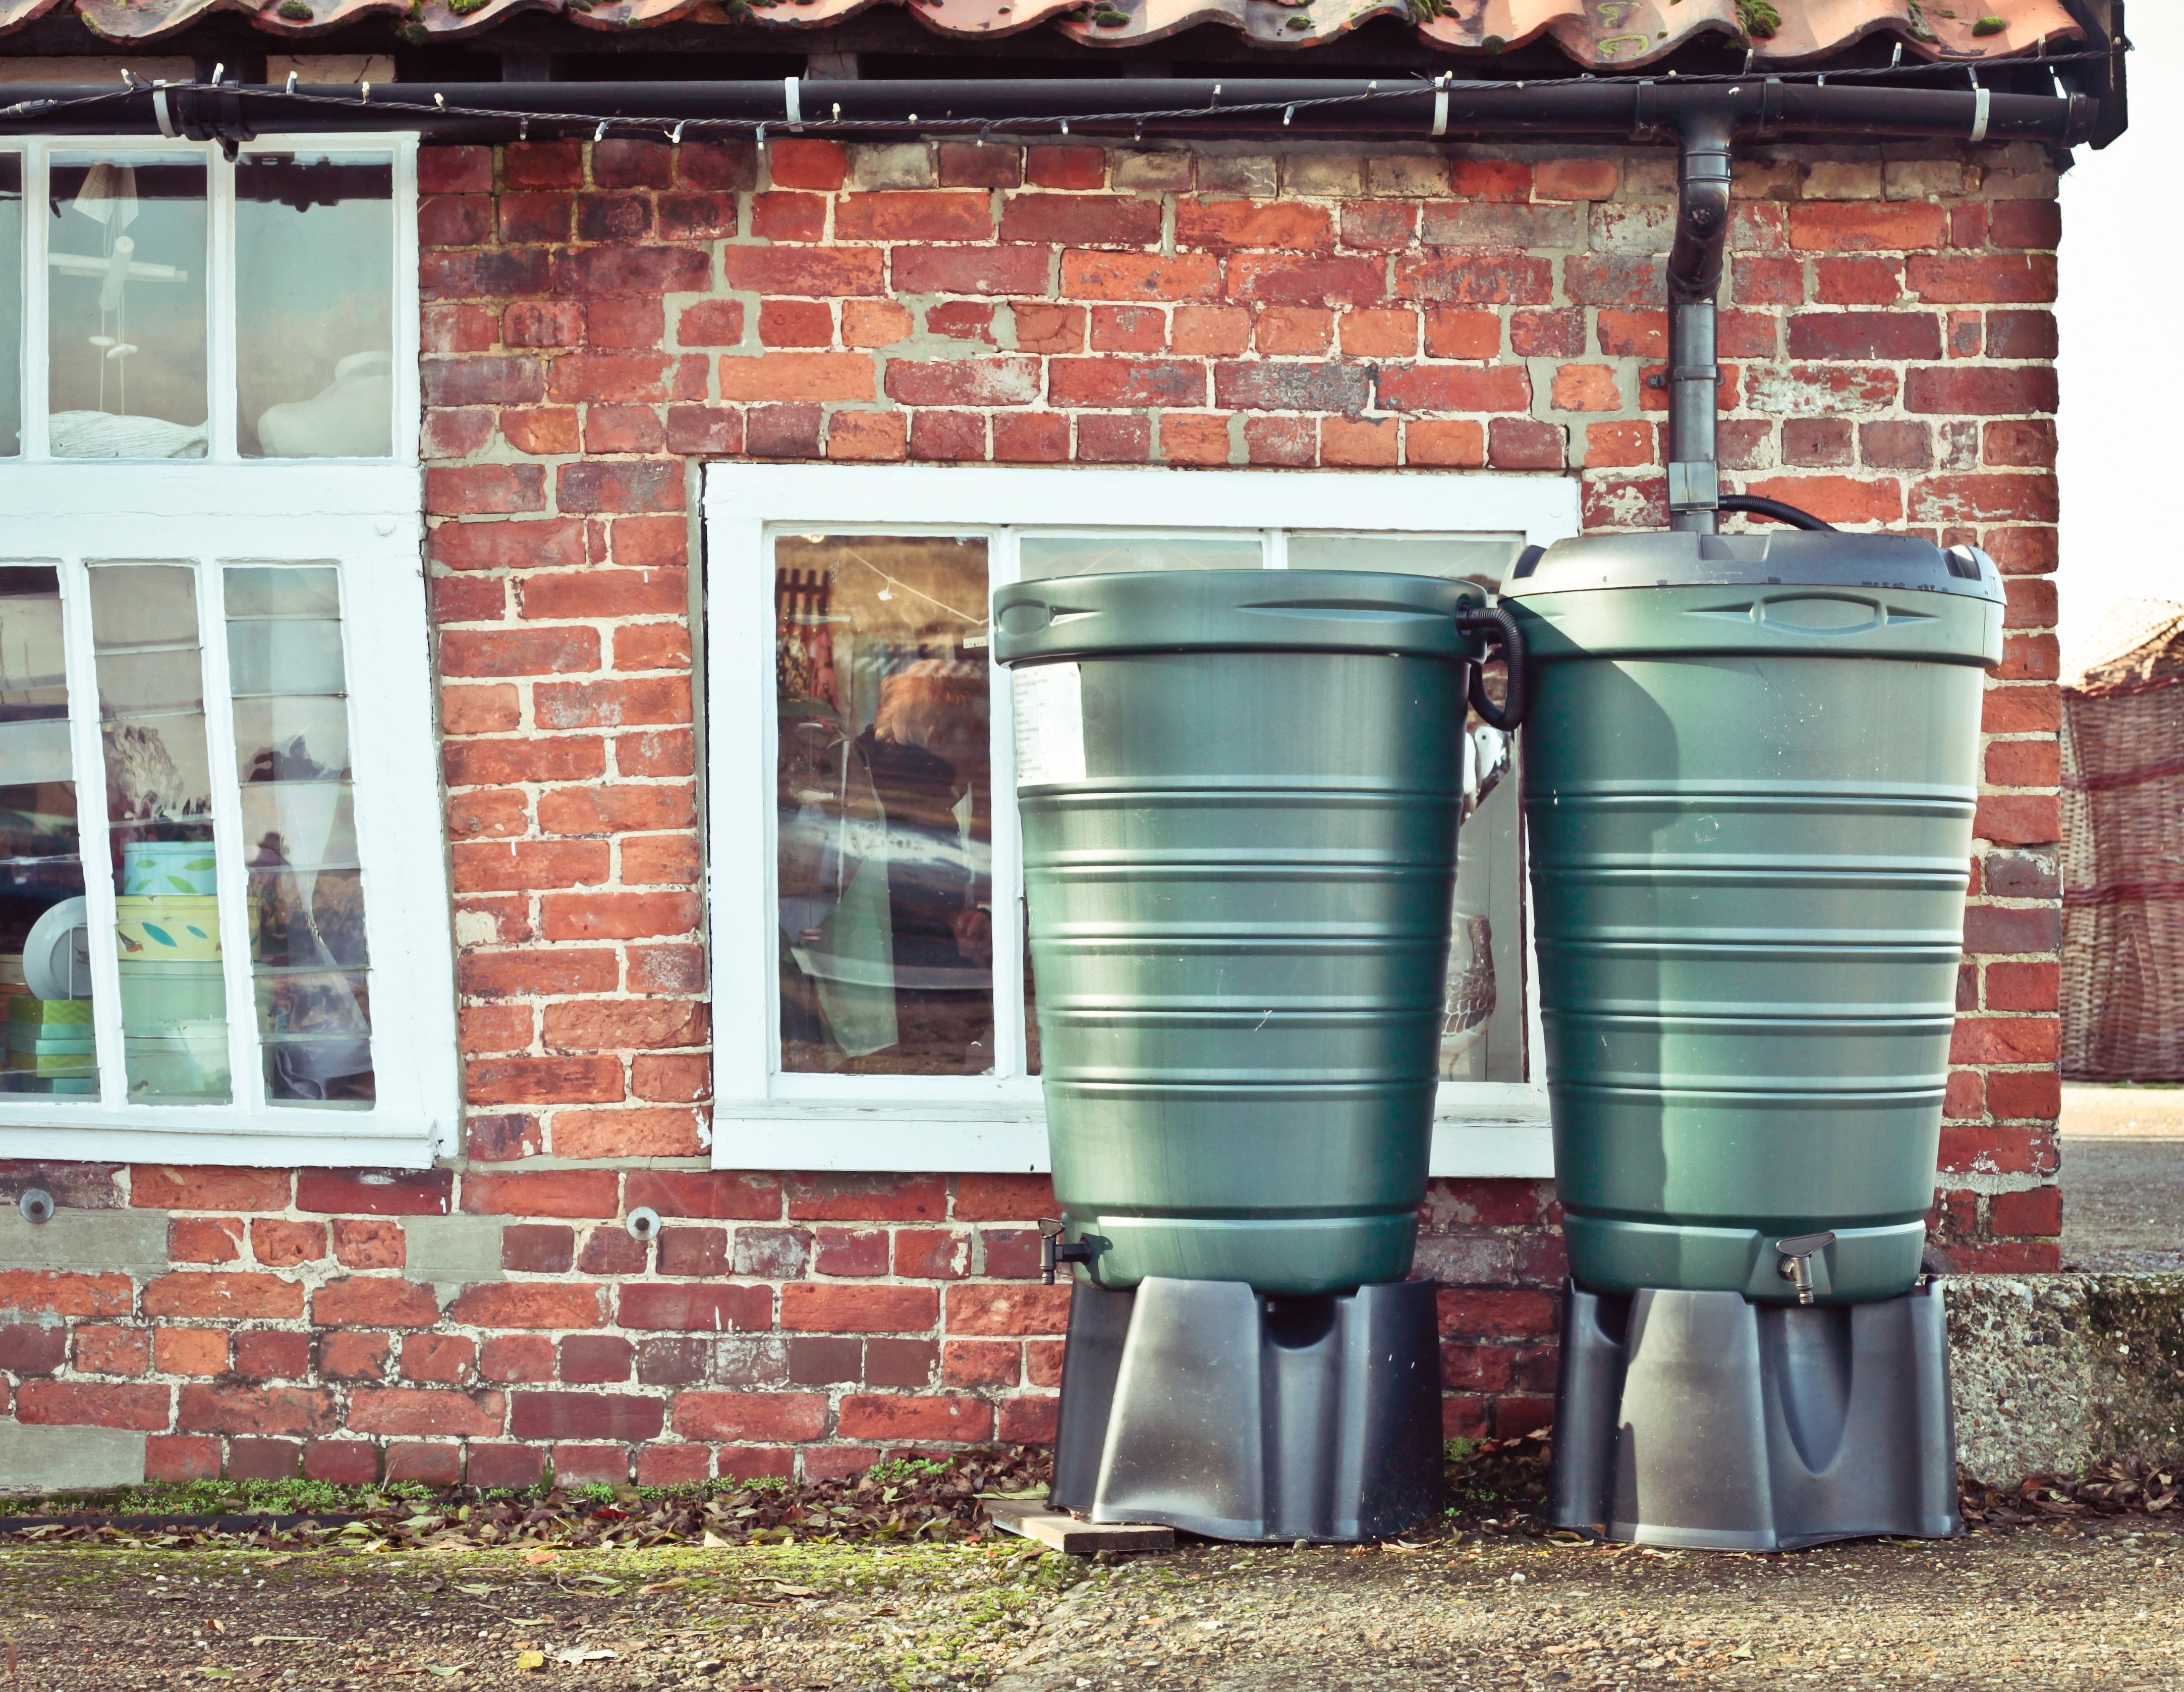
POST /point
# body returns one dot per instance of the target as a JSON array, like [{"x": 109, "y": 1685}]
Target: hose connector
[
  {"x": 1054, "y": 1251},
  {"x": 1796, "y": 1265}
]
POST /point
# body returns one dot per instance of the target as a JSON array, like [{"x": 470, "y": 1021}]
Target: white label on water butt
[{"x": 1049, "y": 701}]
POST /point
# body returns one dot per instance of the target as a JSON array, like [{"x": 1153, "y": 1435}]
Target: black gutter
[{"x": 1763, "y": 107}]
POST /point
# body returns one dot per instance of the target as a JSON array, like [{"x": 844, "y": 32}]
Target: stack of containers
[
  {"x": 50, "y": 1046},
  {"x": 173, "y": 1002}
]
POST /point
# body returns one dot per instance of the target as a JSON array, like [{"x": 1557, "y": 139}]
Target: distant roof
[{"x": 1596, "y": 34}]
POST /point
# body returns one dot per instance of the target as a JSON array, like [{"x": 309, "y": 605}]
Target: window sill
[
  {"x": 1505, "y": 1138},
  {"x": 320, "y": 1140}
]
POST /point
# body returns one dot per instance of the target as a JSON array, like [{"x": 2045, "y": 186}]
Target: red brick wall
[{"x": 597, "y": 319}]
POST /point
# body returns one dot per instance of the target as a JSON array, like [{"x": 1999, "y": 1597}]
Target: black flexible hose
[
  {"x": 1502, "y": 629},
  {"x": 1753, "y": 506}
]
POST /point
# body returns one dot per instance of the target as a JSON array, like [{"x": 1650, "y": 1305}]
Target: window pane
[
  {"x": 11, "y": 305},
  {"x": 308, "y": 956},
  {"x": 1482, "y": 1020},
  {"x": 885, "y": 843},
  {"x": 126, "y": 346},
  {"x": 1042, "y": 555},
  {"x": 1480, "y": 558},
  {"x": 315, "y": 305},
  {"x": 45, "y": 957},
  {"x": 158, "y": 800}
]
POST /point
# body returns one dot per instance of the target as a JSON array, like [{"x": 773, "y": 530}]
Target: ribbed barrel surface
[
  {"x": 1240, "y": 911},
  {"x": 1750, "y": 821}
]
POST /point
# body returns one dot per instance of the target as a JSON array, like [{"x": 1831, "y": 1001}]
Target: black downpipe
[{"x": 1695, "y": 263}]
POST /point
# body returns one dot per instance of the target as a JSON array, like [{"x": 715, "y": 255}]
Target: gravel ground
[
  {"x": 2033, "y": 1608},
  {"x": 2123, "y": 1179}
]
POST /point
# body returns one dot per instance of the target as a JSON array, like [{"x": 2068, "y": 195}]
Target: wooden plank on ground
[{"x": 1035, "y": 1520}]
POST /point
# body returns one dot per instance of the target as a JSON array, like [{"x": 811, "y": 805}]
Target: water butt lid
[
  {"x": 1789, "y": 558},
  {"x": 1233, "y": 611}
]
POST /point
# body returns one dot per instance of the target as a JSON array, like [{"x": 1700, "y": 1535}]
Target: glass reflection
[
  {"x": 315, "y": 305},
  {"x": 308, "y": 954},
  {"x": 159, "y": 803},
  {"x": 126, "y": 341},
  {"x": 1043, "y": 555},
  {"x": 885, "y": 843},
  {"x": 44, "y": 957}
]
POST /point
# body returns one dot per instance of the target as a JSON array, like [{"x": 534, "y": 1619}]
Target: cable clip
[
  {"x": 792, "y": 104},
  {"x": 600, "y": 133},
  {"x": 675, "y": 135},
  {"x": 1982, "y": 104},
  {"x": 1440, "y": 110}
]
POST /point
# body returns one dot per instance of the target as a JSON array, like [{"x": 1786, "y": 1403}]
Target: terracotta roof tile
[{"x": 1600, "y": 33}]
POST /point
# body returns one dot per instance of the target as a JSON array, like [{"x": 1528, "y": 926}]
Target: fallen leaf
[
  {"x": 713, "y": 1542},
  {"x": 481, "y": 1591},
  {"x": 445, "y": 1673},
  {"x": 542, "y": 1556},
  {"x": 530, "y": 1661},
  {"x": 287, "y": 1638},
  {"x": 573, "y": 1654},
  {"x": 796, "y": 1591},
  {"x": 674, "y": 1585}
]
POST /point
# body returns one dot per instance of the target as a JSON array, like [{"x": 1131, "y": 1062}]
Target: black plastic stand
[
  {"x": 1205, "y": 1405},
  {"x": 1704, "y": 1420}
]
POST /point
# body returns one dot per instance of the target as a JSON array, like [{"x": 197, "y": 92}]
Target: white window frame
[
  {"x": 364, "y": 516},
  {"x": 764, "y": 1119},
  {"x": 37, "y": 153}
]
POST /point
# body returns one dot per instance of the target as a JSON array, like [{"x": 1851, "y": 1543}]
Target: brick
[
  {"x": 1041, "y": 440},
  {"x": 348, "y": 1355},
  {"x": 1287, "y": 279},
  {"x": 1434, "y": 388},
  {"x": 1815, "y": 443},
  {"x": 714, "y": 1195},
  {"x": 1004, "y": 381},
  {"x": 345, "y": 1462},
  {"x": 543, "y": 1081},
  {"x": 33, "y": 1347},
  {"x": 1986, "y": 390},
  {"x": 1188, "y": 437},
  {"x": 1836, "y": 499},
  {"x": 516, "y": 1357},
  {"x": 610, "y": 705},
  {"x": 1003, "y": 1198},
  {"x": 969, "y": 270},
  {"x": 851, "y": 1251},
  {"x": 440, "y": 1358},
  {"x": 1316, "y": 386},
  {"x": 484, "y": 488},
  {"x": 2021, "y": 334},
  {"x": 1767, "y": 281},
  {"x": 1114, "y": 440},
  {"x": 1896, "y": 446},
  {"x": 1975, "y": 499},
  {"x": 673, "y": 1362},
  {"x": 1817, "y": 389},
  {"x": 2024, "y": 763},
  {"x": 914, "y": 215},
  {"x": 374, "y": 1301},
  {"x": 1585, "y": 388},
  {"x": 204, "y": 1239},
  {"x": 689, "y": 1307},
  {"x": 1163, "y": 278},
  {"x": 643, "y": 1133},
  {"x": 1479, "y": 1313},
  {"x": 167, "y": 1186},
  {"x": 1835, "y": 227},
  {"x": 1359, "y": 442},
  {"x": 1521, "y": 443},
  {"x": 2005, "y": 1040},
  {"x": 592, "y": 1359},
  {"x": 494, "y": 974},
  {"x": 1380, "y": 226},
  {"x": 1457, "y": 223},
  {"x": 969, "y": 165},
  {"x": 454, "y": 169},
  {"x": 873, "y": 1415},
  {"x": 866, "y": 1198},
  {"x": 600, "y": 592},
  {"x": 982, "y": 1363},
  {"x": 2024, "y": 987},
  {"x": 1119, "y": 382},
  {"x": 1394, "y": 334},
  {"x": 623, "y": 485},
  {"x": 484, "y": 275},
  {"x": 1865, "y": 335},
  {"x": 2002, "y": 928},
  {"x": 806, "y": 1307},
  {"x": 750, "y": 1415},
  {"x": 1226, "y": 226},
  {"x": 271, "y": 1354},
  {"x": 1456, "y": 445},
  {"x": 773, "y": 1253},
  {"x": 1576, "y": 179},
  {"x": 2010, "y": 281},
  {"x": 2027, "y": 443},
  {"x": 294, "y": 1411},
  {"x": 226, "y": 1296},
  {"x": 1495, "y": 279},
  {"x": 182, "y": 1457},
  {"x": 1008, "y": 1309},
  {"x": 1032, "y": 1419},
  {"x": 2038, "y": 1211},
  {"x": 537, "y": 1248},
  {"x": 1612, "y": 279},
  {"x": 946, "y": 436},
  {"x": 108, "y": 1351},
  {"x": 2023, "y": 875},
  {"x": 693, "y": 1251},
  {"x": 83, "y": 1404},
  {"x": 523, "y": 544},
  {"x": 426, "y": 1412}
]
